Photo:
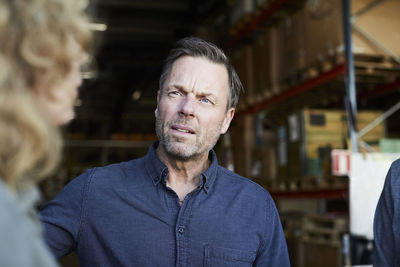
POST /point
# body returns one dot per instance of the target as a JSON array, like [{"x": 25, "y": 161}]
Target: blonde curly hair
[{"x": 34, "y": 37}]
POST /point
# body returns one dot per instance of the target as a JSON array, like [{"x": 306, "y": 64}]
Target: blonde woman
[{"x": 42, "y": 45}]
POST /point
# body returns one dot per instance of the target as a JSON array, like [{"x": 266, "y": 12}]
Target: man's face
[{"x": 192, "y": 107}]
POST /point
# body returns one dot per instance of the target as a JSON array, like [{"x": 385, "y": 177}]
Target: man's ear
[
  {"x": 227, "y": 120},
  {"x": 158, "y": 100}
]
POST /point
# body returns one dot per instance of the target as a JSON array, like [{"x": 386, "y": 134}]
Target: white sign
[{"x": 367, "y": 177}]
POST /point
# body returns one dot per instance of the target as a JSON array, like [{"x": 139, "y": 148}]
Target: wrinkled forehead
[{"x": 199, "y": 73}]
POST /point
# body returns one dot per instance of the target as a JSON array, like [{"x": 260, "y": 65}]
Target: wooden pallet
[
  {"x": 324, "y": 230},
  {"x": 376, "y": 66}
]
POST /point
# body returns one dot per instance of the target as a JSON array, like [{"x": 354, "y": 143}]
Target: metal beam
[
  {"x": 350, "y": 81},
  {"x": 302, "y": 87}
]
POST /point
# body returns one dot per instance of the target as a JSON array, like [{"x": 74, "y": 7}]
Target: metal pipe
[
  {"x": 350, "y": 82},
  {"x": 367, "y": 147}
]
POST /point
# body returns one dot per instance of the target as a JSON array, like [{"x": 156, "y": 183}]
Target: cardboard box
[
  {"x": 323, "y": 29},
  {"x": 267, "y": 63},
  {"x": 242, "y": 136},
  {"x": 292, "y": 40},
  {"x": 243, "y": 61},
  {"x": 382, "y": 23},
  {"x": 318, "y": 133},
  {"x": 324, "y": 33},
  {"x": 317, "y": 254}
]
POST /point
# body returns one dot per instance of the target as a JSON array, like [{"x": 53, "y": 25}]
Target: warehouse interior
[{"x": 293, "y": 127}]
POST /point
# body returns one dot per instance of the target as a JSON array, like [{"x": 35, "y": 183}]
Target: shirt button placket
[{"x": 181, "y": 246}]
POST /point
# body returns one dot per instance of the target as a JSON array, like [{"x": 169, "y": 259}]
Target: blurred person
[
  {"x": 43, "y": 43},
  {"x": 176, "y": 206},
  {"x": 387, "y": 221}
]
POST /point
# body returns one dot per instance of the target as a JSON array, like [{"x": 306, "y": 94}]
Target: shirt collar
[
  {"x": 155, "y": 168},
  {"x": 158, "y": 171}
]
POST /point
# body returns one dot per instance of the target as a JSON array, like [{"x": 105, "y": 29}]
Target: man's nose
[{"x": 188, "y": 105}]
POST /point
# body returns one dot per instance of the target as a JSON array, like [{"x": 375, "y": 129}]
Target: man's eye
[
  {"x": 205, "y": 100},
  {"x": 173, "y": 93}
]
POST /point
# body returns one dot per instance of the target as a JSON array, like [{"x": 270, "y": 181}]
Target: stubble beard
[{"x": 183, "y": 148}]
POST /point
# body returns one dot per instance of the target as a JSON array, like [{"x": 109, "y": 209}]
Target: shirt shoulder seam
[
  {"x": 85, "y": 193},
  {"x": 245, "y": 180}
]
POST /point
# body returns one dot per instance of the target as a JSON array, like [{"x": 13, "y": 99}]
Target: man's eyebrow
[
  {"x": 183, "y": 88},
  {"x": 177, "y": 86}
]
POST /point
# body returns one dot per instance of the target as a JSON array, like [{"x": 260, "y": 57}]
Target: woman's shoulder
[{"x": 21, "y": 230}]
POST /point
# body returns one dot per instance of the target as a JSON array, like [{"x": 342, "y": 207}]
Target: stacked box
[
  {"x": 317, "y": 133},
  {"x": 382, "y": 23},
  {"x": 317, "y": 254},
  {"x": 308, "y": 38},
  {"x": 242, "y": 136},
  {"x": 266, "y": 63},
  {"x": 264, "y": 159},
  {"x": 243, "y": 61},
  {"x": 323, "y": 29},
  {"x": 315, "y": 240},
  {"x": 292, "y": 40},
  {"x": 324, "y": 34},
  {"x": 321, "y": 240}
]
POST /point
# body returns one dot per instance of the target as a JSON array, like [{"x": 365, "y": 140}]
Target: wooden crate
[
  {"x": 317, "y": 254},
  {"x": 321, "y": 240},
  {"x": 319, "y": 131},
  {"x": 322, "y": 229}
]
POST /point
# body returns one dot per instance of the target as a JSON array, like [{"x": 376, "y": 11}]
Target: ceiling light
[
  {"x": 136, "y": 95},
  {"x": 100, "y": 27},
  {"x": 87, "y": 75}
]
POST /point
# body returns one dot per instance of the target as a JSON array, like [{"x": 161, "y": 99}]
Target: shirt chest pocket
[{"x": 220, "y": 257}]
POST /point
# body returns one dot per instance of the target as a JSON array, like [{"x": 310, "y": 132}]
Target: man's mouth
[{"x": 182, "y": 129}]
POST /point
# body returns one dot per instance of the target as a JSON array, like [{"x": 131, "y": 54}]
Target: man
[
  {"x": 176, "y": 206},
  {"x": 387, "y": 221}
]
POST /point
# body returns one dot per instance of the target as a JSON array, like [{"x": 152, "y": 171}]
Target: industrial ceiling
[{"x": 121, "y": 95}]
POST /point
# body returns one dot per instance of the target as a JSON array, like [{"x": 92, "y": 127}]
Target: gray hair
[{"x": 196, "y": 47}]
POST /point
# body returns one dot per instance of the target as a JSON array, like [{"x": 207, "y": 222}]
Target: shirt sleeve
[
  {"x": 273, "y": 251},
  {"x": 63, "y": 216},
  {"x": 385, "y": 247}
]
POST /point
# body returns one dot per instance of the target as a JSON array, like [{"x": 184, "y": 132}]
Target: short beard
[{"x": 180, "y": 153}]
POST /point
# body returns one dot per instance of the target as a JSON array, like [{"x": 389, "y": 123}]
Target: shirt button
[{"x": 180, "y": 230}]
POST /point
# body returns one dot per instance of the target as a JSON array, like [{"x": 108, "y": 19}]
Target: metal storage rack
[{"x": 346, "y": 71}]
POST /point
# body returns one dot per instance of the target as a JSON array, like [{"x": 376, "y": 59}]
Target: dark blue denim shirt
[
  {"x": 125, "y": 215},
  {"x": 387, "y": 221}
]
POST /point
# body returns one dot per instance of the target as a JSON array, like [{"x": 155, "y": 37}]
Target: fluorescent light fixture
[
  {"x": 100, "y": 27},
  {"x": 88, "y": 75}
]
